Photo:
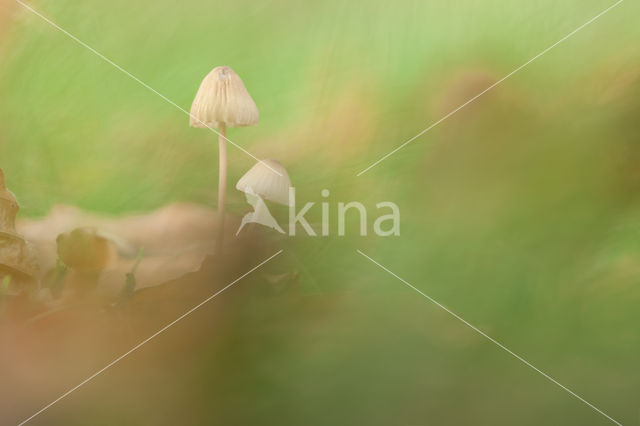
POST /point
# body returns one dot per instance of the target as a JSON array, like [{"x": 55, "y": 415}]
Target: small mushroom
[
  {"x": 260, "y": 184},
  {"x": 222, "y": 101},
  {"x": 87, "y": 254}
]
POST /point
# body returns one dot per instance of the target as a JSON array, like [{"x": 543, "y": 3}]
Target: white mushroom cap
[
  {"x": 223, "y": 99},
  {"x": 262, "y": 181}
]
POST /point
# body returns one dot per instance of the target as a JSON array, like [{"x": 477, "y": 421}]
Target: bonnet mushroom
[
  {"x": 222, "y": 101},
  {"x": 260, "y": 184}
]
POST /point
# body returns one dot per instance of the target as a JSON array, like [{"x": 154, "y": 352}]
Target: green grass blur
[{"x": 521, "y": 212}]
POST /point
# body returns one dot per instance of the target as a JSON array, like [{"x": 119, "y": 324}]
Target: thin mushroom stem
[{"x": 222, "y": 183}]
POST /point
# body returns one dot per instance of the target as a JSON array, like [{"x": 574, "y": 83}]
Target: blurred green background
[{"x": 520, "y": 212}]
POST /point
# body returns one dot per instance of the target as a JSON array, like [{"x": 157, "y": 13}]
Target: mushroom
[
  {"x": 87, "y": 253},
  {"x": 17, "y": 256},
  {"x": 260, "y": 184},
  {"x": 222, "y": 101}
]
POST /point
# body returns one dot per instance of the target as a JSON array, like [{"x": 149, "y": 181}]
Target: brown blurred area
[{"x": 46, "y": 348}]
